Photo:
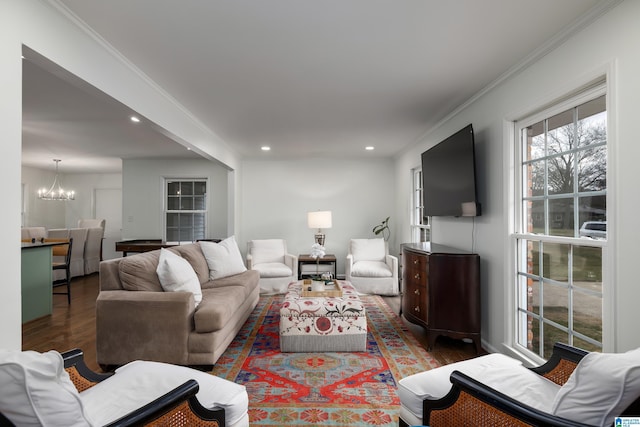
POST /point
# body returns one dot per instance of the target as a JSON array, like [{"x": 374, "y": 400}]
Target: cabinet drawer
[{"x": 416, "y": 260}]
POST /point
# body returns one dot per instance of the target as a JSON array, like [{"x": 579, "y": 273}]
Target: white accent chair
[
  {"x": 277, "y": 268},
  {"x": 370, "y": 268},
  {"x": 573, "y": 388},
  {"x": 56, "y": 389}
]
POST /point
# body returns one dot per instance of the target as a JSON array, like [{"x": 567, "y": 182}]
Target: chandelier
[{"x": 56, "y": 192}]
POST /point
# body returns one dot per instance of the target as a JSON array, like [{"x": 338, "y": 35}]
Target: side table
[{"x": 308, "y": 266}]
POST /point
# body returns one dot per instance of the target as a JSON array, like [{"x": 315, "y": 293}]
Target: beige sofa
[{"x": 136, "y": 319}]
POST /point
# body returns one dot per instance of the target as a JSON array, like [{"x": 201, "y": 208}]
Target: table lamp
[{"x": 319, "y": 220}]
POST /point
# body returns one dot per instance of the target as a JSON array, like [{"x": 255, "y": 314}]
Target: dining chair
[{"x": 62, "y": 252}]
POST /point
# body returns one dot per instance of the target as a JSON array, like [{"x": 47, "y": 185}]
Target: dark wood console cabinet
[{"x": 441, "y": 291}]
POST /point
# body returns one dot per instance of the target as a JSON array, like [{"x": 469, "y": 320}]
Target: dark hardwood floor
[{"x": 73, "y": 326}]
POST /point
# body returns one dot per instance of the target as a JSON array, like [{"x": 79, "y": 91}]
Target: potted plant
[{"x": 383, "y": 228}]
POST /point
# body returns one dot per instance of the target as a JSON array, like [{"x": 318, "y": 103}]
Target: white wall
[
  {"x": 44, "y": 29},
  {"x": 142, "y": 197},
  {"x": 85, "y": 185},
  {"x": 277, "y": 194},
  {"x": 610, "y": 45},
  {"x": 10, "y": 152},
  {"x": 41, "y": 213},
  {"x": 53, "y": 214}
]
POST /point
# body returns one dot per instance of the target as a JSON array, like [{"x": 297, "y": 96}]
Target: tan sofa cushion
[
  {"x": 249, "y": 279},
  {"x": 138, "y": 272},
  {"x": 192, "y": 253},
  {"x": 217, "y": 307}
]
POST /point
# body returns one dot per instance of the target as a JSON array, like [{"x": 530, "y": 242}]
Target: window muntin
[
  {"x": 563, "y": 160},
  {"x": 186, "y": 210}
]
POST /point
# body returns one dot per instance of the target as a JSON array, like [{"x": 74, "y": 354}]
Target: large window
[
  {"x": 186, "y": 210},
  {"x": 420, "y": 231},
  {"x": 561, "y": 225}
]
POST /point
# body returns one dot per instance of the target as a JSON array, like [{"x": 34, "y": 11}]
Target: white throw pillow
[
  {"x": 36, "y": 390},
  {"x": 177, "y": 275},
  {"x": 368, "y": 250},
  {"x": 600, "y": 388},
  {"x": 224, "y": 258}
]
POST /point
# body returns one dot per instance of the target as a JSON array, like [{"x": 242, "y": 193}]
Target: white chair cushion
[
  {"x": 371, "y": 269},
  {"x": 435, "y": 384},
  {"x": 37, "y": 391},
  {"x": 140, "y": 382},
  {"x": 368, "y": 250},
  {"x": 224, "y": 258},
  {"x": 267, "y": 251},
  {"x": 600, "y": 388},
  {"x": 273, "y": 269},
  {"x": 177, "y": 275}
]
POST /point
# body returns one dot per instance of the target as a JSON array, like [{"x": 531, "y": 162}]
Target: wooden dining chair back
[{"x": 62, "y": 252}]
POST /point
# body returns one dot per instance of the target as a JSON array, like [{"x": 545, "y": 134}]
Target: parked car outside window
[{"x": 594, "y": 229}]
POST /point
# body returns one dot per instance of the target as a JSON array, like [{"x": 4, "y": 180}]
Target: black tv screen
[{"x": 449, "y": 177}]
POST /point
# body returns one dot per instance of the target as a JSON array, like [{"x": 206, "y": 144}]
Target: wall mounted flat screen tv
[{"x": 449, "y": 177}]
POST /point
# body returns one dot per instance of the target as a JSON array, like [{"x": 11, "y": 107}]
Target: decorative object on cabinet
[{"x": 441, "y": 291}]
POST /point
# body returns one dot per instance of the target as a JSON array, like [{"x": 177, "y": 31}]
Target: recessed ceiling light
[
  {"x": 134, "y": 119},
  {"x": 369, "y": 148},
  {"x": 265, "y": 148}
]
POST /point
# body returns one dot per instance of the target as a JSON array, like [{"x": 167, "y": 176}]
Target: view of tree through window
[{"x": 563, "y": 228}]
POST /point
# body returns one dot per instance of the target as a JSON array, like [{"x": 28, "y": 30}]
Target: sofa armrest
[
  {"x": 471, "y": 402},
  {"x": 348, "y": 265},
  {"x": 249, "y": 261},
  {"x": 133, "y": 325},
  {"x": 292, "y": 262},
  {"x": 392, "y": 262},
  {"x": 561, "y": 364},
  {"x": 180, "y": 403}
]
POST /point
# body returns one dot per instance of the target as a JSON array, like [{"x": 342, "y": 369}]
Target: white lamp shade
[{"x": 319, "y": 219}]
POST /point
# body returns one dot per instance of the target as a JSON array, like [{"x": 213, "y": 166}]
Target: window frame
[
  {"x": 418, "y": 227},
  {"x": 205, "y": 212},
  {"x": 597, "y": 88}
]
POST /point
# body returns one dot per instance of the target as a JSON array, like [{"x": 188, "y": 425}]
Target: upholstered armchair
[
  {"x": 370, "y": 268},
  {"x": 91, "y": 223},
  {"x": 93, "y": 250},
  {"x": 93, "y": 244},
  {"x": 79, "y": 236},
  {"x": 35, "y": 233},
  {"x": 573, "y": 389},
  {"x": 56, "y": 389},
  {"x": 277, "y": 268}
]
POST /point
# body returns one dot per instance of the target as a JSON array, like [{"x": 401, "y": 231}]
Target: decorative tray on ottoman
[{"x": 331, "y": 289}]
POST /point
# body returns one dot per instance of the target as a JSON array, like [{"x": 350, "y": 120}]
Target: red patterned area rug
[{"x": 338, "y": 389}]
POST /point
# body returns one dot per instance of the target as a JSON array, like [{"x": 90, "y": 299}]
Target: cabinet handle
[
  {"x": 417, "y": 309},
  {"x": 417, "y": 292},
  {"x": 415, "y": 261},
  {"x": 417, "y": 276}
]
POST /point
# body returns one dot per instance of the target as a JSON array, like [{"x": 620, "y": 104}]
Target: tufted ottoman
[{"x": 322, "y": 324}]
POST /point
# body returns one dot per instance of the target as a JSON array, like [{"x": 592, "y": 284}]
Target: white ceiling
[{"x": 308, "y": 78}]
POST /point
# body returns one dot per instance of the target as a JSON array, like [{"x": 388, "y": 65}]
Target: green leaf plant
[{"x": 383, "y": 228}]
